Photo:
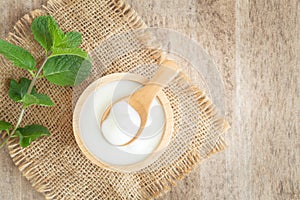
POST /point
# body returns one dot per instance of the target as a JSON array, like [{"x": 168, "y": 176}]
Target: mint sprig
[{"x": 65, "y": 64}]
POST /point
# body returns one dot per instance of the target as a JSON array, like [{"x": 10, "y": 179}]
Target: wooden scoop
[{"x": 143, "y": 97}]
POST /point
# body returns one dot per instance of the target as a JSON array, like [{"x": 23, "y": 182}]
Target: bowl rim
[{"x": 165, "y": 140}]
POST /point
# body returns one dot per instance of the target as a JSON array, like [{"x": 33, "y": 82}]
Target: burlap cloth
[{"x": 55, "y": 165}]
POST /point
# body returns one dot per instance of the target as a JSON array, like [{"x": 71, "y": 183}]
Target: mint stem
[{"x": 36, "y": 76}]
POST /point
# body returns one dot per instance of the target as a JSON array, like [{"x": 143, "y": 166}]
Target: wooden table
[{"x": 256, "y": 47}]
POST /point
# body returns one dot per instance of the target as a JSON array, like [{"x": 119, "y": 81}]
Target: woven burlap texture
[{"x": 55, "y": 165}]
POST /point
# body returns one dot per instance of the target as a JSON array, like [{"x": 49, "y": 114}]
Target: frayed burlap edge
[{"x": 157, "y": 188}]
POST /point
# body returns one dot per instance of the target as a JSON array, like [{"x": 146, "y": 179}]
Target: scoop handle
[
  {"x": 142, "y": 98},
  {"x": 165, "y": 74}
]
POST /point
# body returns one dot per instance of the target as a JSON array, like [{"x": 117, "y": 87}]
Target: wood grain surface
[{"x": 256, "y": 47}]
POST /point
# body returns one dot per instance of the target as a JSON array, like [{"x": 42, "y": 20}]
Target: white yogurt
[{"x": 123, "y": 122}]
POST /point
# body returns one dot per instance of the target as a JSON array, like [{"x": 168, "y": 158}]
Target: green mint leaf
[
  {"x": 46, "y": 32},
  {"x": 69, "y": 51},
  {"x": 44, "y": 100},
  {"x": 24, "y": 141},
  {"x": 56, "y": 33},
  {"x": 67, "y": 70},
  {"x": 71, "y": 40},
  {"x": 30, "y": 133},
  {"x": 29, "y": 100},
  {"x": 18, "y": 90},
  {"x": 40, "y": 30},
  {"x": 18, "y": 93},
  {"x": 5, "y": 126},
  {"x": 37, "y": 99},
  {"x": 19, "y": 56}
]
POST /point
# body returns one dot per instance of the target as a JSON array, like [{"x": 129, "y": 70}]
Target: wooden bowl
[{"x": 87, "y": 134}]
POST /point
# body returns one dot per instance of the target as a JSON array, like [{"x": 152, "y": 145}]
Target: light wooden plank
[
  {"x": 10, "y": 185},
  {"x": 269, "y": 97}
]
